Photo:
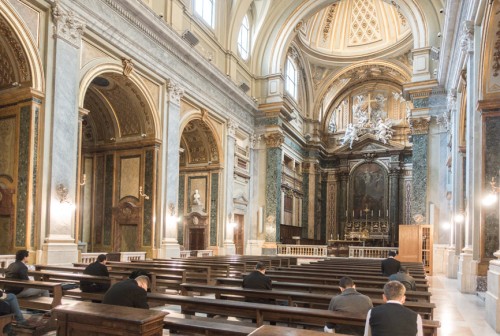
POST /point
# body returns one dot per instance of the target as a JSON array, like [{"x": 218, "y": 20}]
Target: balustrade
[
  {"x": 370, "y": 252},
  {"x": 302, "y": 250}
]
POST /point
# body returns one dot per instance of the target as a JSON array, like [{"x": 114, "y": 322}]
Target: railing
[
  {"x": 370, "y": 252},
  {"x": 6, "y": 260},
  {"x": 196, "y": 253},
  {"x": 302, "y": 250},
  {"x": 88, "y": 258}
]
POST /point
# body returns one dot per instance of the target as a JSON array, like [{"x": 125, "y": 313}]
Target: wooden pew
[
  {"x": 354, "y": 269},
  {"x": 326, "y": 289},
  {"x": 269, "y": 330},
  {"x": 265, "y": 312},
  {"x": 4, "y": 321},
  {"x": 85, "y": 317},
  {"x": 205, "y": 325},
  {"x": 293, "y": 298},
  {"x": 38, "y": 303}
]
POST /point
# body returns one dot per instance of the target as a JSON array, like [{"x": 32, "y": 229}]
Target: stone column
[
  {"x": 273, "y": 191},
  {"x": 344, "y": 177},
  {"x": 229, "y": 247},
  {"x": 331, "y": 204},
  {"x": 59, "y": 246},
  {"x": 420, "y": 136},
  {"x": 169, "y": 172},
  {"x": 467, "y": 266},
  {"x": 393, "y": 219}
]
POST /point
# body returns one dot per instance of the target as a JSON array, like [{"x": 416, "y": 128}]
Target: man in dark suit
[
  {"x": 390, "y": 265},
  {"x": 97, "y": 268},
  {"x": 19, "y": 271},
  {"x": 129, "y": 293},
  {"x": 258, "y": 279},
  {"x": 392, "y": 318}
]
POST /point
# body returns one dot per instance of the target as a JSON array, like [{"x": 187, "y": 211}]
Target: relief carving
[
  {"x": 17, "y": 50},
  {"x": 128, "y": 66},
  {"x": 232, "y": 126},
  {"x": 496, "y": 53},
  {"x": 274, "y": 140},
  {"x": 175, "y": 92},
  {"x": 467, "y": 37},
  {"x": 420, "y": 125},
  {"x": 67, "y": 26}
]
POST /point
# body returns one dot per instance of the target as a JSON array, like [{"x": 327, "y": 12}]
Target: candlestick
[
  {"x": 346, "y": 213},
  {"x": 360, "y": 213},
  {"x": 352, "y": 213},
  {"x": 372, "y": 213},
  {"x": 379, "y": 212},
  {"x": 387, "y": 212}
]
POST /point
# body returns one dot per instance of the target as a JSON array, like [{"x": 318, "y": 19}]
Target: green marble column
[
  {"x": 394, "y": 205},
  {"x": 420, "y": 137}
]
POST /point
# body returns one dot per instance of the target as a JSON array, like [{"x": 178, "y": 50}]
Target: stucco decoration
[
  {"x": 490, "y": 67},
  {"x": 67, "y": 26}
]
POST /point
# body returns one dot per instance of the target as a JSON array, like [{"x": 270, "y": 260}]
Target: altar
[{"x": 340, "y": 247}]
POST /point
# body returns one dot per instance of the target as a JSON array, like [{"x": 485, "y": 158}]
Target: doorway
[{"x": 239, "y": 233}]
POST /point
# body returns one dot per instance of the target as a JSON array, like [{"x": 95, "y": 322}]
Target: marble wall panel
[
  {"x": 491, "y": 169},
  {"x": 273, "y": 187},
  {"x": 130, "y": 169},
  {"x": 214, "y": 194},
  {"x": 36, "y": 112},
  {"x": 419, "y": 191},
  {"x": 23, "y": 175},
  {"x": 305, "y": 202},
  {"x": 108, "y": 199},
  {"x": 99, "y": 200},
  {"x": 181, "y": 197},
  {"x": 147, "y": 228}
]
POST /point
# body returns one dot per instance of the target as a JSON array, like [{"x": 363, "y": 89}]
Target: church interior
[{"x": 253, "y": 127}]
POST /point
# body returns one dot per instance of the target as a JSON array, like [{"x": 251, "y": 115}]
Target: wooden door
[
  {"x": 196, "y": 239},
  {"x": 239, "y": 233}
]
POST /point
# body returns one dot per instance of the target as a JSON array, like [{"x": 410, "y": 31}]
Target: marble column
[
  {"x": 344, "y": 178},
  {"x": 331, "y": 204},
  {"x": 467, "y": 265},
  {"x": 59, "y": 246},
  {"x": 420, "y": 136},
  {"x": 229, "y": 247},
  {"x": 169, "y": 172},
  {"x": 273, "y": 191},
  {"x": 393, "y": 205}
]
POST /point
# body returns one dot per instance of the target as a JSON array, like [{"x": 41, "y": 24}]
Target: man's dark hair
[
  {"x": 21, "y": 254},
  {"x": 392, "y": 253},
  {"x": 394, "y": 290},
  {"x": 260, "y": 266},
  {"x": 101, "y": 258},
  {"x": 346, "y": 282}
]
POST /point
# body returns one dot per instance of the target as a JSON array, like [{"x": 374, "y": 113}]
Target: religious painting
[{"x": 368, "y": 187}]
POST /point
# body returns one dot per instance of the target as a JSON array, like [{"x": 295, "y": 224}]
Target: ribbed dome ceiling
[{"x": 355, "y": 28}]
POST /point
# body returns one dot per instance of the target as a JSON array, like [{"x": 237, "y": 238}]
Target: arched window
[
  {"x": 244, "y": 38},
  {"x": 291, "y": 80},
  {"x": 205, "y": 9}
]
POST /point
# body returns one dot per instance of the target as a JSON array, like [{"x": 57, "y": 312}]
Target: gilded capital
[
  {"x": 420, "y": 125},
  {"x": 67, "y": 26},
  {"x": 175, "y": 92},
  {"x": 274, "y": 140}
]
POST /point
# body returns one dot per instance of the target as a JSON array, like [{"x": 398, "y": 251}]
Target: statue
[
  {"x": 384, "y": 131},
  {"x": 351, "y": 134},
  {"x": 196, "y": 198}
]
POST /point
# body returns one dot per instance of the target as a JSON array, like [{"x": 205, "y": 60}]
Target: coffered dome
[{"x": 356, "y": 28}]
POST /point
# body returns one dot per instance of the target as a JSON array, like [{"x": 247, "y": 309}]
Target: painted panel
[
  {"x": 8, "y": 146},
  {"x": 130, "y": 170}
]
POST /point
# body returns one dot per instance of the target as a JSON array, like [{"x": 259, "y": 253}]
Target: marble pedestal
[
  {"x": 467, "y": 272},
  {"x": 170, "y": 248},
  {"x": 451, "y": 264},
  {"x": 254, "y": 247},
  {"x": 229, "y": 248},
  {"x": 492, "y": 300},
  {"x": 269, "y": 248},
  {"x": 58, "y": 253}
]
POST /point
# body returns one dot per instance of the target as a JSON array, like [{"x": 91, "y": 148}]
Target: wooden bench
[
  {"x": 82, "y": 318},
  {"x": 293, "y": 298},
  {"x": 38, "y": 302},
  {"x": 205, "y": 325},
  {"x": 355, "y": 269},
  {"x": 374, "y": 293},
  {"x": 4, "y": 321},
  {"x": 269, "y": 330},
  {"x": 265, "y": 312}
]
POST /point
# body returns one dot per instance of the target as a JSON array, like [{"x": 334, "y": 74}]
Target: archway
[
  {"x": 199, "y": 179},
  {"x": 119, "y": 155}
]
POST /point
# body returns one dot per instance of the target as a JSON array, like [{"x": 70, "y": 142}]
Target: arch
[
  {"x": 26, "y": 42},
  {"x": 273, "y": 52},
  {"x": 98, "y": 68},
  {"x": 489, "y": 78}
]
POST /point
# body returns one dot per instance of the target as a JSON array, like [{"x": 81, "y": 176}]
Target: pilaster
[
  {"x": 419, "y": 129},
  {"x": 467, "y": 272},
  {"x": 394, "y": 173},
  {"x": 59, "y": 246},
  {"x": 169, "y": 172},
  {"x": 229, "y": 247}
]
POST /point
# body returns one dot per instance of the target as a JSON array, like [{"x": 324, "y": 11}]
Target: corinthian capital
[
  {"x": 232, "y": 126},
  {"x": 175, "y": 92},
  {"x": 67, "y": 26},
  {"x": 420, "y": 125},
  {"x": 274, "y": 140},
  {"x": 452, "y": 100},
  {"x": 467, "y": 37}
]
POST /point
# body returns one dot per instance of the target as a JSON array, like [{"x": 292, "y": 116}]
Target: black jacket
[
  {"x": 126, "y": 293},
  {"x": 390, "y": 266},
  {"x": 257, "y": 280},
  {"x": 16, "y": 271},
  {"x": 97, "y": 269}
]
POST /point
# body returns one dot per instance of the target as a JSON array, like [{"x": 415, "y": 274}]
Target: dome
[{"x": 356, "y": 28}]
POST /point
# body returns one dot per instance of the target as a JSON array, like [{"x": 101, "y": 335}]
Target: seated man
[
  {"x": 390, "y": 265},
  {"x": 129, "y": 293},
  {"x": 97, "y": 268},
  {"x": 9, "y": 305},
  {"x": 392, "y": 318},
  {"x": 405, "y": 278},
  {"x": 19, "y": 271},
  {"x": 349, "y": 301},
  {"x": 258, "y": 279}
]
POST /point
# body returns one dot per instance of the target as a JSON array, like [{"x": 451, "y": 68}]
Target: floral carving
[
  {"x": 67, "y": 26},
  {"x": 274, "y": 139},
  {"x": 420, "y": 125},
  {"x": 496, "y": 54},
  {"x": 175, "y": 92}
]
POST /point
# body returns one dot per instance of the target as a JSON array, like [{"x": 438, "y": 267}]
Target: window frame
[
  {"x": 291, "y": 82},
  {"x": 240, "y": 46},
  {"x": 197, "y": 4}
]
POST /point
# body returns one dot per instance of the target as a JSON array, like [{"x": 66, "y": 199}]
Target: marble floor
[{"x": 459, "y": 314}]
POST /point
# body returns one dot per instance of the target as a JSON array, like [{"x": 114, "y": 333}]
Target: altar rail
[
  {"x": 196, "y": 253},
  {"x": 301, "y": 250},
  {"x": 88, "y": 258},
  {"x": 6, "y": 260},
  {"x": 370, "y": 252}
]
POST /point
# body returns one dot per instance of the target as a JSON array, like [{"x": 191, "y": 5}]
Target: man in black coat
[
  {"x": 390, "y": 265},
  {"x": 392, "y": 318},
  {"x": 129, "y": 293},
  {"x": 97, "y": 268},
  {"x": 258, "y": 279},
  {"x": 19, "y": 271}
]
